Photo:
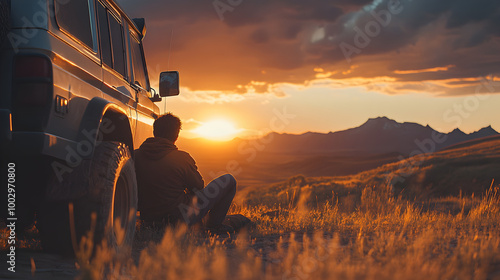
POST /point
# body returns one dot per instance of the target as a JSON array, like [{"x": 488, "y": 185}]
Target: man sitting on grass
[{"x": 170, "y": 187}]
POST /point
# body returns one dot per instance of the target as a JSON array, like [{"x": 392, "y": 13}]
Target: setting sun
[{"x": 218, "y": 129}]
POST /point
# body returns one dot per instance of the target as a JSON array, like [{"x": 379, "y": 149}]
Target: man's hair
[{"x": 167, "y": 126}]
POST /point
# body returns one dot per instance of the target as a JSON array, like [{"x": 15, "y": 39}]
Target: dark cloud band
[{"x": 280, "y": 41}]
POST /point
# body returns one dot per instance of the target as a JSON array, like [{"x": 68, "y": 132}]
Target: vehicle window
[
  {"x": 74, "y": 17},
  {"x": 138, "y": 63},
  {"x": 117, "y": 44},
  {"x": 104, "y": 31}
]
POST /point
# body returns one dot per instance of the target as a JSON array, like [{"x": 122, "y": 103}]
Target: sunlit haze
[{"x": 217, "y": 129}]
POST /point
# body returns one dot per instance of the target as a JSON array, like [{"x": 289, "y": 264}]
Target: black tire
[{"x": 111, "y": 194}]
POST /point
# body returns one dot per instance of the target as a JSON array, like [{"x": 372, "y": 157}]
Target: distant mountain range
[
  {"x": 377, "y": 135},
  {"x": 276, "y": 157}
]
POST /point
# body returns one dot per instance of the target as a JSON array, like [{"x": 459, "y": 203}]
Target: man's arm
[{"x": 193, "y": 178}]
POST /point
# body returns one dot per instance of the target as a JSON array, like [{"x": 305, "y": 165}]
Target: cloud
[
  {"x": 283, "y": 41},
  {"x": 252, "y": 90},
  {"x": 210, "y": 97}
]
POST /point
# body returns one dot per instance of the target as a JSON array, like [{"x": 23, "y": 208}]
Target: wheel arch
[{"x": 105, "y": 121}]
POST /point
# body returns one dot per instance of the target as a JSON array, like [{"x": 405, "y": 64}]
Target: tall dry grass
[{"x": 371, "y": 235}]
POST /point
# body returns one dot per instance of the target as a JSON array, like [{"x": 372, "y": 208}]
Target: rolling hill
[{"x": 467, "y": 168}]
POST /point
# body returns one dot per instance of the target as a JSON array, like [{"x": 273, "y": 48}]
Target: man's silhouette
[{"x": 170, "y": 187}]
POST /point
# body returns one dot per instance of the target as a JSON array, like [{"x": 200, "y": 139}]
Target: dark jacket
[{"x": 166, "y": 177}]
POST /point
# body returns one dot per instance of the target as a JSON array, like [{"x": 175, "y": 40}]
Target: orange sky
[{"x": 331, "y": 64}]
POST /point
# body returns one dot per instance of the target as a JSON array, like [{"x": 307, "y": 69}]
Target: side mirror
[{"x": 169, "y": 83}]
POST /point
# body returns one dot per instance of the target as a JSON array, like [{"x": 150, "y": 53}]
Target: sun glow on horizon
[{"x": 217, "y": 129}]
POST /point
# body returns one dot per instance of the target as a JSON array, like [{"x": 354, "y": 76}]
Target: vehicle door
[
  {"x": 147, "y": 112},
  {"x": 116, "y": 75}
]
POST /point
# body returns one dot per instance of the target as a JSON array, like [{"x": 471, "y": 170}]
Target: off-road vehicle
[{"x": 75, "y": 102}]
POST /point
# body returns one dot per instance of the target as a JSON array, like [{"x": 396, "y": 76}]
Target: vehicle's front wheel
[{"x": 111, "y": 194}]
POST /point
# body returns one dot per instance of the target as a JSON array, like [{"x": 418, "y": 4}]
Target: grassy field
[
  {"x": 366, "y": 234},
  {"x": 370, "y": 235},
  {"x": 364, "y": 226}
]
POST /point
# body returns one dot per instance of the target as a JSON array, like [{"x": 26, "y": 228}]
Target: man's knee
[
  {"x": 226, "y": 180},
  {"x": 232, "y": 180}
]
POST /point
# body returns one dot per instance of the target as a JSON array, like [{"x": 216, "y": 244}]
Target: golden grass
[
  {"x": 316, "y": 228},
  {"x": 375, "y": 236}
]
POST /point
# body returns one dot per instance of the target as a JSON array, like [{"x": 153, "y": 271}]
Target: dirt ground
[{"x": 34, "y": 264}]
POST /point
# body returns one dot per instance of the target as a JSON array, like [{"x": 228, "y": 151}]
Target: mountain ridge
[
  {"x": 277, "y": 156},
  {"x": 489, "y": 127},
  {"x": 376, "y": 135}
]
